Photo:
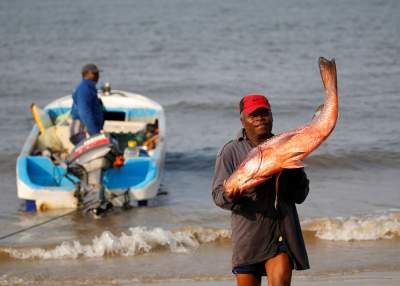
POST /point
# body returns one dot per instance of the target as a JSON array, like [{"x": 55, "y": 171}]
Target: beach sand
[{"x": 346, "y": 279}]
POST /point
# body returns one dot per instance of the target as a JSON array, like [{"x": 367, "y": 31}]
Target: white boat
[{"x": 42, "y": 177}]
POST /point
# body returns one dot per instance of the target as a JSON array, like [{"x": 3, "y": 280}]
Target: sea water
[{"x": 198, "y": 58}]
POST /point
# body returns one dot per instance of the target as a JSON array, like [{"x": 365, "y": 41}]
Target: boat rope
[
  {"x": 36, "y": 225},
  {"x": 46, "y": 221}
]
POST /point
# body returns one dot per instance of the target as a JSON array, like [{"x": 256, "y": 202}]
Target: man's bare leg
[
  {"x": 279, "y": 270},
  {"x": 247, "y": 280}
]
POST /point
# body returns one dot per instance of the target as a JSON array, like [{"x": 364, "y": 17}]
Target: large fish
[{"x": 287, "y": 150}]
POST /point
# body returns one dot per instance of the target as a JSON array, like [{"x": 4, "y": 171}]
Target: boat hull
[{"x": 42, "y": 183}]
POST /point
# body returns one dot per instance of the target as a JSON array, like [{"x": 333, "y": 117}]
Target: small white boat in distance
[{"x": 136, "y": 122}]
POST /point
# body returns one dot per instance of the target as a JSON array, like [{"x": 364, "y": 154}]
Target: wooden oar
[{"x": 36, "y": 116}]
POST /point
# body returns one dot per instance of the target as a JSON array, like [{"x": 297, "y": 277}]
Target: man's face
[
  {"x": 92, "y": 76},
  {"x": 95, "y": 76},
  {"x": 257, "y": 124}
]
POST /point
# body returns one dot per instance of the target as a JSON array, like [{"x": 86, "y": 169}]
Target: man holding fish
[{"x": 260, "y": 178}]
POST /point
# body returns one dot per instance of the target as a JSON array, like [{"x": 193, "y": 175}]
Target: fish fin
[
  {"x": 253, "y": 182},
  {"x": 293, "y": 156},
  {"x": 277, "y": 189},
  {"x": 293, "y": 164},
  {"x": 293, "y": 160}
]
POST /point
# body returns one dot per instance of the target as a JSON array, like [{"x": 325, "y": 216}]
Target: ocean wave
[
  {"x": 193, "y": 105},
  {"x": 141, "y": 240},
  {"x": 343, "y": 159},
  {"x": 138, "y": 241},
  {"x": 233, "y": 106},
  {"x": 196, "y": 160},
  {"x": 355, "y": 228},
  {"x": 355, "y": 159}
]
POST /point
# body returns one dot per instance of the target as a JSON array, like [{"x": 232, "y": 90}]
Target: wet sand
[
  {"x": 345, "y": 279},
  {"x": 356, "y": 279},
  {"x": 351, "y": 263}
]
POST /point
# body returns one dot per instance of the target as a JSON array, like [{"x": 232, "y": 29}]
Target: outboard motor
[{"x": 88, "y": 161}]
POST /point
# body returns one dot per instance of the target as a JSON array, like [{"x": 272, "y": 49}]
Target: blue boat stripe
[{"x": 130, "y": 112}]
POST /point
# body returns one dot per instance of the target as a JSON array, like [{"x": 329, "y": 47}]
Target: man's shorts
[{"x": 257, "y": 269}]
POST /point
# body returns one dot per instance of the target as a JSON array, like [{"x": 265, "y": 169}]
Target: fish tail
[{"x": 328, "y": 73}]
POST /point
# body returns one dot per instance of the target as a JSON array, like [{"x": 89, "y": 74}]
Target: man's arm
[
  {"x": 86, "y": 107},
  {"x": 294, "y": 185},
  {"x": 223, "y": 169}
]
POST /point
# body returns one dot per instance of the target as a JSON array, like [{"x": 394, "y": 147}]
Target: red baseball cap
[{"x": 252, "y": 102}]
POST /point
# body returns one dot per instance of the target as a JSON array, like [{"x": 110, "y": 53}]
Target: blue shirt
[{"x": 87, "y": 107}]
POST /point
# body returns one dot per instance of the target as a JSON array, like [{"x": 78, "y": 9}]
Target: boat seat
[
  {"x": 39, "y": 171},
  {"x": 135, "y": 173},
  {"x": 114, "y": 126}
]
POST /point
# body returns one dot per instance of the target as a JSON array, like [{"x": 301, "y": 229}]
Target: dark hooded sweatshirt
[{"x": 257, "y": 227}]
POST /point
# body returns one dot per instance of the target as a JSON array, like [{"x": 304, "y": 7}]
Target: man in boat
[
  {"x": 266, "y": 240},
  {"x": 87, "y": 109}
]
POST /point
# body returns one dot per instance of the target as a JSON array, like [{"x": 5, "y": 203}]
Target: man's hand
[{"x": 234, "y": 194}]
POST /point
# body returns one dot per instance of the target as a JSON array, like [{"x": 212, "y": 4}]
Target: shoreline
[
  {"x": 387, "y": 278},
  {"x": 368, "y": 278}
]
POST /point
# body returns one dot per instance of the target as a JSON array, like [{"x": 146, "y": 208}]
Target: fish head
[{"x": 246, "y": 171}]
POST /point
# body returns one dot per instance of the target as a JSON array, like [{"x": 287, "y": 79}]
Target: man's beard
[{"x": 264, "y": 136}]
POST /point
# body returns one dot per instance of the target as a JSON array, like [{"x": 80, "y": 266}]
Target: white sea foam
[
  {"x": 366, "y": 227},
  {"x": 139, "y": 240}
]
